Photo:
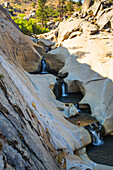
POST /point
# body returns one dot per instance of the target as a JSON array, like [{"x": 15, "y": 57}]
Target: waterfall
[
  {"x": 96, "y": 135},
  {"x": 76, "y": 105},
  {"x": 44, "y": 70},
  {"x": 63, "y": 90}
]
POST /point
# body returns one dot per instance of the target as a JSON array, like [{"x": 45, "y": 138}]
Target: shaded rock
[
  {"x": 1, "y": 162},
  {"x": 45, "y": 42},
  {"x": 62, "y": 75},
  {"x": 74, "y": 34},
  {"x": 75, "y": 14},
  {"x": 50, "y": 23},
  {"x": 57, "y": 24},
  {"x": 56, "y": 59},
  {"x": 72, "y": 111}
]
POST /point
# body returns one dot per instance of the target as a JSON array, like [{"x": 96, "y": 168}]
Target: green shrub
[
  {"x": 1, "y": 76},
  {"x": 29, "y": 26}
]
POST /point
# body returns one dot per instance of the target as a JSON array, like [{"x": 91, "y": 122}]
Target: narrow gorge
[{"x": 56, "y": 95}]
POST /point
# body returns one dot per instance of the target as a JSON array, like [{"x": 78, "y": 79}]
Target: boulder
[
  {"x": 66, "y": 28},
  {"x": 56, "y": 59},
  {"x": 45, "y": 42},
  {"x": 95, "y": 8},
  {"x": 105, "y": 19},
  {"x": 89, "y": 28}
]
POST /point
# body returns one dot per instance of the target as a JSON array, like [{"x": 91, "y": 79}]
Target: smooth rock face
[
  {"x": 18, "y": 47},
  {"x": 56, "y": 59}
]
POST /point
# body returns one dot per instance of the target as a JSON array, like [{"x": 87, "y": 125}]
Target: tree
[
  {"x": 70, "y": 7},
  {"x": 61, "y": 6},
  {"x": 41, "y": 12},
  {"x": 33, "y": 4},
  {"x": 79, "y": 3}
]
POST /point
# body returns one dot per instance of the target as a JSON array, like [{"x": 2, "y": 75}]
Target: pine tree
[
  {"x": 41, "y": 12},
  {"x": 70, "y": 7},
  {"x": 61, "y": 6}
]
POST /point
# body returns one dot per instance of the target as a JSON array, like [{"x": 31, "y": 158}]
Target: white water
[
  {"x": 96, "y": 136},
  {"x": 44, "y": 66},
  {"x": 63, "y": 90},
  {"x": 77, "y": 108}
]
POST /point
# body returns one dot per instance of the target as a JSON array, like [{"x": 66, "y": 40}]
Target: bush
[{"x": 29, "y": 26}]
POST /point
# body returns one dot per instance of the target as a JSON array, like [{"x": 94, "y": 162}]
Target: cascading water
[
  {"x": 44, "y": 70},
  {"x": 96, "y": 135},
  {"x": 63, "y": 90},
  {"x": 76, "y": 105}
]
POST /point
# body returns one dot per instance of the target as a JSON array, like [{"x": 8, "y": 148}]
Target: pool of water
[
  {"x": 71, "y": 98},
  {"x": 102, "y": 154}
]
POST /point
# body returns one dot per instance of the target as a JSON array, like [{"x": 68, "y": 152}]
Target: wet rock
[{"x": 62, "y": 75}]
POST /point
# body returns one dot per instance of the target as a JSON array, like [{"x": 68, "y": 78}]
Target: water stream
[
  {"x": 64, "y": 90},
  {"x": 102, "y": 154},
  {"x": 95, "y": 131},
  {"x": 43, "y": 64}
]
